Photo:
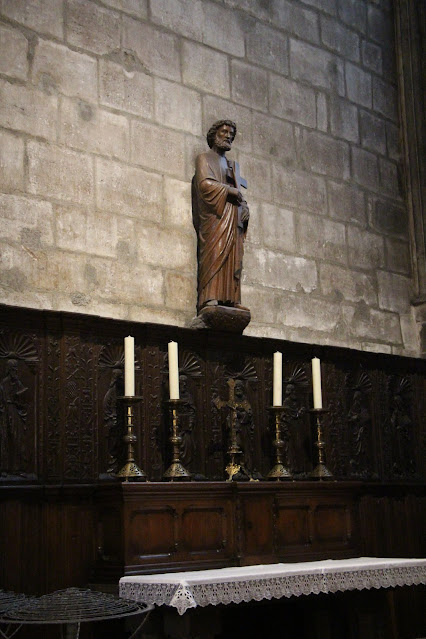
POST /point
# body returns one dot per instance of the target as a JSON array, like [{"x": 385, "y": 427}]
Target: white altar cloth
[{"x": 184, "y": 590}]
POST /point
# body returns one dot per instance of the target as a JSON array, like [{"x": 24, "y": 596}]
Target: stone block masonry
[{"x": 104, "y": 105}]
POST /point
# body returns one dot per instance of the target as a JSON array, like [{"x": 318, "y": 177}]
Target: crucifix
[{"x": 238, "y": 405}]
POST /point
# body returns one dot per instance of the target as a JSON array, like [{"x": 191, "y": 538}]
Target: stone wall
[{"x": 104, "y": 106}]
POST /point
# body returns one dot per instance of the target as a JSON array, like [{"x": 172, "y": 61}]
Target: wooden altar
[{"x": 215, "y": 524}]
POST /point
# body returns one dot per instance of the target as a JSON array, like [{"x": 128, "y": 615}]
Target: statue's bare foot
[{"x": 211, "y": 303}]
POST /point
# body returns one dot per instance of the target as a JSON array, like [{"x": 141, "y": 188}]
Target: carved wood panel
[
  {"x": 61, "y": 375},
  {"x": 19, "y": 403}
]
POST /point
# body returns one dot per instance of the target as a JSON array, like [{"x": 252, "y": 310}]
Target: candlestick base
[
  {"x": 131, "y": 471},
  {"x": 321, "y": 472},
  {"x": 238, "y": 472},
  {"x": 176, "y": 471},
  {"x": 279, "y": 471}
]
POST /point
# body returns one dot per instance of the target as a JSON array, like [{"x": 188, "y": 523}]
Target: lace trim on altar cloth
[{"x": 183, "y": 596}]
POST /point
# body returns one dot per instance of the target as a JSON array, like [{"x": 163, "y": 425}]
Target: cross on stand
[{"x": 236, "y": 465}]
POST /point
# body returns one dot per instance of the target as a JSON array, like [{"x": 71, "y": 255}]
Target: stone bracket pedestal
[{"x": 222, "y": 318}]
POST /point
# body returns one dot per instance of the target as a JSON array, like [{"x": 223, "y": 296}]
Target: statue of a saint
[{"x": 220, "y": 216}]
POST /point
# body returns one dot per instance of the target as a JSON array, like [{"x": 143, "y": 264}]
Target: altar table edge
[{"x": 184, "y": 590}]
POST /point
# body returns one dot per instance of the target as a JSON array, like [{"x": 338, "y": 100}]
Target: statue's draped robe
[{"x": 220, "y": 231}]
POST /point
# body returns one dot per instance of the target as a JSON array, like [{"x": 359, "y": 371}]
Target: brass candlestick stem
[
  {"x": 279, "y": 470},
  {"x": 320, "y": 471},
  {"x": 234, "y": 450},
  {"x": 130, "y": 470},
  {"x": 176, "y": 470}
]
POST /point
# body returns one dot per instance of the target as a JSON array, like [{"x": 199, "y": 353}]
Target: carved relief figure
[
  {"x": 220, "y": 216},
  {"x": 359, "y": 416},
  {"x": 187, "y": 413},
  {"x": 13, "y": 416},
  {"x": 360, "y": 420},
  {"x": 114, "y": 420},
  {"x": 402, "y": 429},
  {"x": 295, "y": 434},
  {"x": 291, "y": 412},
  {"x": 244, "y": 423}
]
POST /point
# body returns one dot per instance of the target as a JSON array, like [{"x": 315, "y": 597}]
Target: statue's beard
[{"x": 223, "y": 145}]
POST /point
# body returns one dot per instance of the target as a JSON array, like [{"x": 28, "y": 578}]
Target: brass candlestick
[
  {"x": 176, "y": 470},
  {"x": 320, "y": 471},
  {"x": 279, "y": 471},
  {"x": 130, "y": 470}
]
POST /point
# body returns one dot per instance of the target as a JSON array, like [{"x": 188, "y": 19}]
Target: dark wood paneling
[
  {"x": 61, "y": 374},
  {"x": 293, "y": 527},
  {"x": 64, "y": 518},
  {"x": 204, "y": 529}
]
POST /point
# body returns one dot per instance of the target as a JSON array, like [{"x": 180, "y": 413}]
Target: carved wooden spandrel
[{"x": 19, "y": 398}]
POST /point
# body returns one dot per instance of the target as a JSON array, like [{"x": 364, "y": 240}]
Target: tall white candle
[
  {"x": 129, "y": 366},
  {"x": 316, "y": 382},
  {"x": 278, "y": 380},
  {"x": 173, "y": 370}
]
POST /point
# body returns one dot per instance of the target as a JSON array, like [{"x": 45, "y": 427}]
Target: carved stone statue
[{"x": 220, "y": 216}]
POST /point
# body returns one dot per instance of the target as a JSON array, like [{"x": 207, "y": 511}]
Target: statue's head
[
  {"x": 221, "y": 134},
  {"x": 239, "y": 389},
  {"x": 117, "y": 373},
  {"x": 183, "y": 382},
  {"x": 12, "y": 368}
]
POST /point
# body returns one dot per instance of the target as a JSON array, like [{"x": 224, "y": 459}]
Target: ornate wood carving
[
  {"x": 111, "y": 445},
  {"x": 69, "y": 374},
  {"x": 192, "y": 446},
  {"x": 154, "y": 416},
  {"x": 71, "y": 369},
  {"x": 297, "y": 444},
  {"x": 18, "y": 401},
  {"x": 400, "y": 426},
  {"x": 53, "y": 446},
  {"x": 359, "y": 420}
]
